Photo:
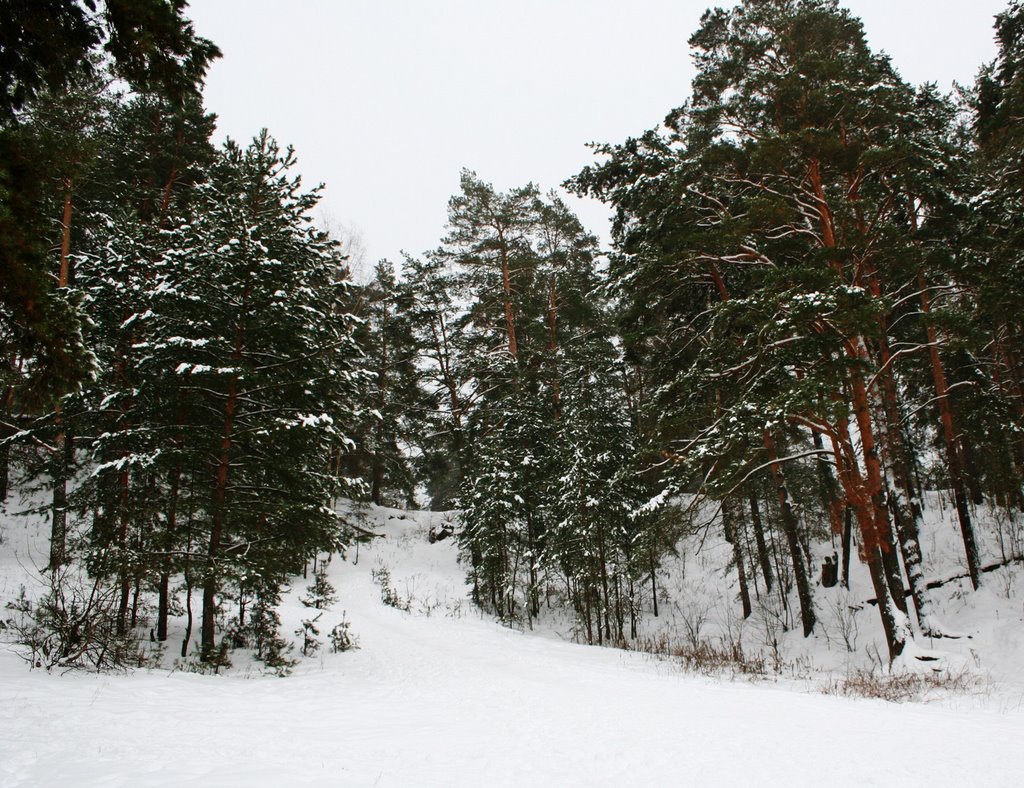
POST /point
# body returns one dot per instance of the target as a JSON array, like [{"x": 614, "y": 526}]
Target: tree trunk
[
  {"x": 953, "y": 456},
  {"x": 220, "y": 491},
  {"x": 879, "y": 535},
  {"x": 829, "y": 493},
  {"x": 654, "y": 584},
  {"x": 164, "y": 584},
  {"x": 847, "y": 546},
  {"x": 972, "y": 471},
  {"x": 901, "y": 493},
  {"x": 64, "y": 274},
  {"x": 632, "y": 609},
  {"x": 893, "y": 575},
  {"x": 377, "y": 483},
  {"x": 506, "y": 286},
  {"x": 603, "y": 574},
  {"x": 59, "y": 509},
  {"x": 865, "y": 494},
  {"x": 587, "y": 614},
  {"x": 6, "y": 416},
  {"x": 791, "y": 529},
  {"x": 895, "y": 636},
  {"x": 619, "y": 619},
  {"x": 58, "y": 522},
  {"x": 122, "y": 544},
  {"x": 188, "y": 614},
  {"x": 763, "y": 557},
  {"x": 533, "y": 551},
  {"x": 858, "y": 495},
  {"x": 210, "y": 581},
  {"x": 732, "y": 535}
]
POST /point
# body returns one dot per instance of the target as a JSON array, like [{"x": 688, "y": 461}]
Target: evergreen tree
[
  {"x": 49, "y": 48},
  {"x": 766, "y": 238},
  {"x": 992, "y": 260},
  {"x": 394, "y": 402},
  {"x": 271, "y": 360},
  {"x": 433, "y": 323}
]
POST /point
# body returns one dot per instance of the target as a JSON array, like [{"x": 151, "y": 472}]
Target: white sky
[{"x": 387, "y": 100}]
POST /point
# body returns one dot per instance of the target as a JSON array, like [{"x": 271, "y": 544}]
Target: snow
[{"x": 444, "y": 696}]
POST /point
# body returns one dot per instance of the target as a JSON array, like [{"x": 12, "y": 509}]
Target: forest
[{"x": 807, "y": 331}]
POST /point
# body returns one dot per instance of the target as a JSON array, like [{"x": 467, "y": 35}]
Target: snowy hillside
[
  {"x": 984, "y": 628},
  {"x": 440, "y": 695}
]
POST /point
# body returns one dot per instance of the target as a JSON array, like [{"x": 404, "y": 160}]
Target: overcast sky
[{"x": 386, "y": 101}]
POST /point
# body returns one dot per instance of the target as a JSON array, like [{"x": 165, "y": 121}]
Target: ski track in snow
[{"x": 454, "y": 699}]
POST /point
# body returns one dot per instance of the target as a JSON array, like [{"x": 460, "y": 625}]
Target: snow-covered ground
[
  {"x": 443, "y": 696},
  {"x": 987, "y": 625}
]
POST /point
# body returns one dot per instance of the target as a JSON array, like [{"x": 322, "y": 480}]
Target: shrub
[
  {"x": 74, "y": 626},
  {"x": 342, "y": 638},
  {"x": 900, "y": 687}
]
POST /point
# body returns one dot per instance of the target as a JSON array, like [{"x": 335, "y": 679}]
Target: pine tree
[
  {"x": 770, "y": 233},
  {"x": 991, "y": 260},
  {"x": 432, "y": 320},
  {"x": 597, "y": 539},
  {"x": 52, "y": 48},
  {"x": 395, "y": 404},
  {"x": 269, "y": 360}
]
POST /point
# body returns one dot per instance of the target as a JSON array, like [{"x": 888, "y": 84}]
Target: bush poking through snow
[
  {"x": 264, "y": 624},
  {"x": 708, "y": 659},
  {"x": 844, "y": 628},
  {"x": 342, "y": 638},
  {"x": 220, "y": 659},
  {"x": 74, "y": 626},
  {"x": 388, "y": 595},
  {"x": 321, "y": 594},
  {"x": 901, "y": 687},
  {"x": 309, "y": 633}
]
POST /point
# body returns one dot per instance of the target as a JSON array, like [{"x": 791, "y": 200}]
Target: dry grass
[
  {"x": 903, "y": 687},
  {"x": 706, "y": 658}
]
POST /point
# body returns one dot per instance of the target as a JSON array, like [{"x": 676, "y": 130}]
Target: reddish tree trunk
[
  {"x": 220, "y": 490},
  {"x": 864, "y": 494},
  {"x": 952, "y": 446},
  {"x": 506, "y": 286}
]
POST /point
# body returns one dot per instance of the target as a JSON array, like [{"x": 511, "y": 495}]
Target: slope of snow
[
  {"x": 699, "y": 596},
  {"x": 442, "y": 696}
]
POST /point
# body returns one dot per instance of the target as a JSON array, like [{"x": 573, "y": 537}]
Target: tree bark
[
  {"x": 122, "y": 544},
  {"x": 58, "y": 518},
  {"x": 223, "y": 470},
  {"x": 791, "y": 529},
  {"x": 953, "y": 454},
  {"x": 732, "y": 535},
  {"x": 901, "y": 492},
  {"x": 864, "y": 493},
  {"x": 847, "y": 547},
  {"x": 763, "y": 556},
  {"x": 858, "y": 495},
  {"x": 5, "y": 448},
  {"x": 377, "y": 484},
  {"x": 654, "y": 584},
  {"x": 506, "y": 286}
]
